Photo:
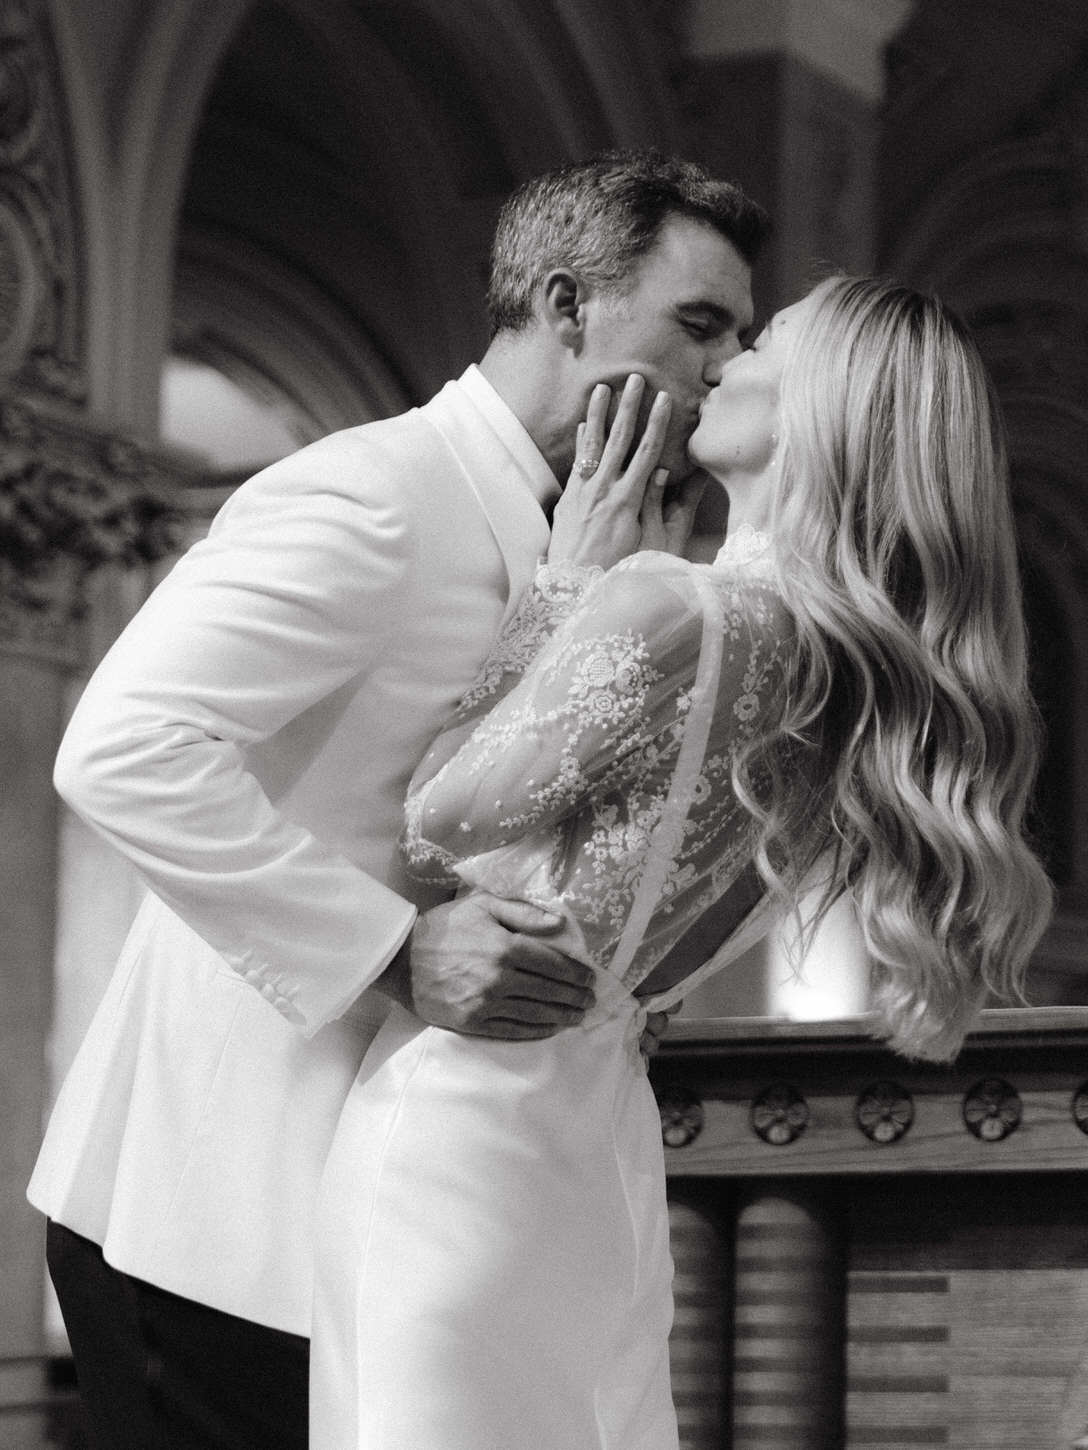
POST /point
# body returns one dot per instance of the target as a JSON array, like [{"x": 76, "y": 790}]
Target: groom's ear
[{"x": 564, "y": 313}]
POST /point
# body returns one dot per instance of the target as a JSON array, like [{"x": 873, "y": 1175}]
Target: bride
[{"x": 662, "y": 754}]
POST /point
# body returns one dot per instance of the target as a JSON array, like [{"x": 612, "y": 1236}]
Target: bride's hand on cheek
[{"x": 599, "y": 519}]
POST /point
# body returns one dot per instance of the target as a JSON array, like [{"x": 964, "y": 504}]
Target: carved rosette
[
  {"x": 884, "y": 1112},
  {"x": 41, "y": 324},
  {"x": 779, "y": 1115},
  {"x": 72, "y": 500},
  {"x": 992, "y": 1109},
  {"x": 681, "y": 1117}
]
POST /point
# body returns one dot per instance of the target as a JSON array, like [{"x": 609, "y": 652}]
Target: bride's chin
[
  {"x": 709, "y": 462},
  {"x": 701, "y": 457}
]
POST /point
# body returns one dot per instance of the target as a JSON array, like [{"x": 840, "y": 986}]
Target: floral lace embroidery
[
  {"x": 749, "y": 548},
  {"x": 601, "y": 717},
  {"x": 608, "y": 680},
  {"x": 428, "y": 862},
  {"x": 555, "y": 591}
]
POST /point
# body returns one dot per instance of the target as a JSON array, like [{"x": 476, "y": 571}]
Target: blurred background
[{"x": 228, "y": 227}]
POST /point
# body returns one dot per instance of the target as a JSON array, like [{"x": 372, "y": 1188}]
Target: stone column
[
  {"x": 74, "y": 501},
  {"x": 41, "y": 358},
  {"x": 31, "y": 696},
  {"x": 783, "y": 95}
]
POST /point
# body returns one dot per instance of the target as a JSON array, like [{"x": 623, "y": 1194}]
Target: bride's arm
[
  {"x": 601, "y": 518},
  {"x": 612, "y": 683},
  {"x": 555, "y": 591},
  {"x": 597, "y": 693}
]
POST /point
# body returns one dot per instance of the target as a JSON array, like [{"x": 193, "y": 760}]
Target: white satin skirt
[{"x": 493, "y": 1268}]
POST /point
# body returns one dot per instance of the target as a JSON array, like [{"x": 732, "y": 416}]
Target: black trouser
[{"x": 158, "y": 1372}]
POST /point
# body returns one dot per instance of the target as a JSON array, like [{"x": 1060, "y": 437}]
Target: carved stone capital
[
  {"x": 74, "y": 498},
  {"x": 41, "y": 315}
]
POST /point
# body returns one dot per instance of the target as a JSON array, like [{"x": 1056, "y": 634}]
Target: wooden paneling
[
  {"x": 981, "y": 1286},
  {"x": 937, "y": 1280},
  {"x": 897, "y": 1359}
]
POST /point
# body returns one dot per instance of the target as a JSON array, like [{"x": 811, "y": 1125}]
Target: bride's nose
[{"x": 719, "y": 358}]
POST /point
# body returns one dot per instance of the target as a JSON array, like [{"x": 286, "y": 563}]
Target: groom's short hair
[{"x": 600, "y": 217}]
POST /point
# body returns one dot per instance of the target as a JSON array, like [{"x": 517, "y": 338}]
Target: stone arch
[
  {"x": 42, "y": 294},
  {"x": 177, "y": 52},
  {"x": 132, "y": 123},
  {"x": 264, "y": 317},
  {"x": 447, "y": 105},
  {"x": 1013, "y": 191}
]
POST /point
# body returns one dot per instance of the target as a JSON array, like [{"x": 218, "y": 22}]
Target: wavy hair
[{"x": 908, "y": 710}]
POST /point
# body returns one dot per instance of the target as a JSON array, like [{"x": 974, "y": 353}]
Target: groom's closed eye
[{"x": 707, "y": 322}]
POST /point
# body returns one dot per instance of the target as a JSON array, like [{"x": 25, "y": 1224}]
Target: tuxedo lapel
[{"x": 499, "y": 482}]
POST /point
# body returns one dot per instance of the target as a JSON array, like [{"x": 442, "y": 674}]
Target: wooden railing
[{"x": 874, "y": 1252}]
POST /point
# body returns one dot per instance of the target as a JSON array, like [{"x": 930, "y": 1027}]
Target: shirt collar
[{"x": 512, "y": 434}]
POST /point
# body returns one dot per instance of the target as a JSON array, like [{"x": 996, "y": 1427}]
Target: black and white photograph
[{"x": 544, "y": 653}]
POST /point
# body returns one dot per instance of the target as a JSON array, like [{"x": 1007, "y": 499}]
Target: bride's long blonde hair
[{"x": 908, "y": 713}]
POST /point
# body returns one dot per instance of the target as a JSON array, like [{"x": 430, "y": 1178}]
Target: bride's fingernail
[
  {"x": 662, "y": 401},
  {"x": 635, "y": 380}
]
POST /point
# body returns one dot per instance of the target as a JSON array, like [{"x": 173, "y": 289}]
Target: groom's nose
[{"x": 717, "y": 357}]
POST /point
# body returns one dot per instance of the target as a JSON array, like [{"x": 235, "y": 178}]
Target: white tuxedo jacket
[{"x": 247, "y": 744}]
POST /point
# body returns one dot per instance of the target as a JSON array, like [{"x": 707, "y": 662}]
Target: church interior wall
[{"x": 297, "y": 195}]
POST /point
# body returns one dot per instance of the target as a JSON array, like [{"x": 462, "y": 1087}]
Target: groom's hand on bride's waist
[
  {"x": 657, "y": 1024},
  {"x": 485, "y": 966}
]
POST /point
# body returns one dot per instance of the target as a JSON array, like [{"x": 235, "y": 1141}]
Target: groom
[{"x": 247, "y": 744}]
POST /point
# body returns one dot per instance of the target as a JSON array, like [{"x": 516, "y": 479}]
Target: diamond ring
[{"x": 587, "y": 467}]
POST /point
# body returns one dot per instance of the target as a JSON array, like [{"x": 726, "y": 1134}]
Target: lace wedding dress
[{"x": 493, "y": 1268}]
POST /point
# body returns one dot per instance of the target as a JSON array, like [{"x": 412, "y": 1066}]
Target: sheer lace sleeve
[
  {"x": 611, "y": 756},
  {"x": 576, "y": 713},
  {"x": 554, "y": 593}
]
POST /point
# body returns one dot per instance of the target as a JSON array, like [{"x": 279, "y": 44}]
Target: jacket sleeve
[{"x": 295, "y": 591}]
